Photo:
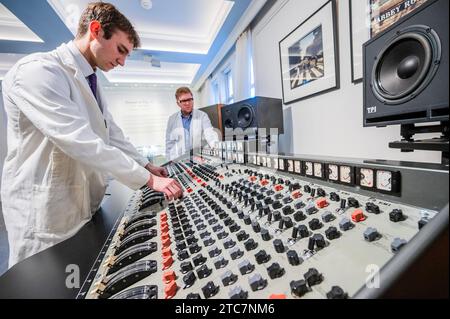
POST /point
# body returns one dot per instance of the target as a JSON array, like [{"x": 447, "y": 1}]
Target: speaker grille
[{"x": 406, "y": 65}]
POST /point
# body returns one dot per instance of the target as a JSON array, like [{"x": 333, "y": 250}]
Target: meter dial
[
  {"x": 269, "y": 162},
  {"x": 297, "y": 167},
  {"x": 318, "y": 172},
  {"x": 281, "y": 164},
  {"x": 309, "y": 168},
  {"x": 275, "y": 163},
  {"x": 333, "y": 172},
  {"x": 345, "y": 174},
  {"x": 366, "y": 178},
  {"x": 384, "y": 180},
  {"x": 290, "y": 165}
]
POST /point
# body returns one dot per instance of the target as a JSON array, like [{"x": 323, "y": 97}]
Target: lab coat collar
[
  {"x": 81, "y": 61},
  {"x": 68, "y": 59}
]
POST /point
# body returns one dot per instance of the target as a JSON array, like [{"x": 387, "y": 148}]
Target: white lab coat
[
  {"x": 61, "y": 148},
  {"x": 200, "y": 129}
]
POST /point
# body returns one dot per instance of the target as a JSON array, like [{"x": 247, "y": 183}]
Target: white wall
[
  {"x": 3, "y": 148},
  {"x": 329, "y": 124},
  {"x": 142, "y": 112}
]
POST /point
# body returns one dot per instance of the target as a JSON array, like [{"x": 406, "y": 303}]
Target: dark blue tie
[{"x": 92, "y": 79}]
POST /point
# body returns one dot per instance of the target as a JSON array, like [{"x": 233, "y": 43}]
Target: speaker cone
[
  {"x": 245, "y": 116},
  {"x": 406, "y": 65}
]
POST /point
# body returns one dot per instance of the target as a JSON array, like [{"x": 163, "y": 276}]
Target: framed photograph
[
  {"x": 370, "y": 17},
  {"x": 309, "y": 56}
]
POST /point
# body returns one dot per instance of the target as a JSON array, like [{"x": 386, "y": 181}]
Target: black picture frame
[{"x": 317, "y": 71}]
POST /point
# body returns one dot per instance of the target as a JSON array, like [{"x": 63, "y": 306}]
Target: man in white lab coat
[
  {"x": 186, "y": 129},
  {"x": 62, "y": 140}
]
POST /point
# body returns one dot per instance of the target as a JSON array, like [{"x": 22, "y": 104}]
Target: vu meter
[
  {"x": 333, "y": 172},
  {"x": 346, "y": 174},
  {"x": 297, "y": 167},
  {"x": 366, "y": 177},
  {"x": 309, "y": 168},
  {"x": 318, "y": 172},
  {"x": 384, "y": 180}
]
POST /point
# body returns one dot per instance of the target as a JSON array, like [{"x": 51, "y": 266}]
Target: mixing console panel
[{"x": 250, "y": 232}]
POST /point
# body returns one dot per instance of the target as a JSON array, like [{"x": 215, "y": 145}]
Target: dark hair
[
  {"x": 182, "y": 90},
  {"x": 110, "y": 19}
]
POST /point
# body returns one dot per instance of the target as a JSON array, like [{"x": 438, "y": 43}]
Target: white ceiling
[
  {"x": 183, "y": 37},
  {"x": 11, "y": 28},
  {"x": 188, "y": 26},
  {"x": 170, "y": 25}
]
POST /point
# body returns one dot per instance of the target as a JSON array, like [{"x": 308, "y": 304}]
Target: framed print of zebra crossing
[{"x": 309, "y": 56}]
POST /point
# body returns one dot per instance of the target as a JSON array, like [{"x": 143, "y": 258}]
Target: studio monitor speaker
[
  {"x": 252, "y": 114},
  {"x": 215, "y": 115},
  {"x": 406, "y": 69}
]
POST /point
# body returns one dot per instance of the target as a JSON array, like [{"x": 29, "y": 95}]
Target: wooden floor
[{"x": 4, "y": 248}]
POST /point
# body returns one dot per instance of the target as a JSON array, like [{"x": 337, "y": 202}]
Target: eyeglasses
[{"x": 186, "y": 101}]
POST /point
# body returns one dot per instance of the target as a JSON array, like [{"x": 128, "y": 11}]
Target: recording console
[{"x": 269, "y": 226}]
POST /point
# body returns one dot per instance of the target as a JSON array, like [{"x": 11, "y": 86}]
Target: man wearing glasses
[{"x": 186, "y": 129}]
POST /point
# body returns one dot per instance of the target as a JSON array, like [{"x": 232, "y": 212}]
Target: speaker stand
[{"x": 408, "y": 144}]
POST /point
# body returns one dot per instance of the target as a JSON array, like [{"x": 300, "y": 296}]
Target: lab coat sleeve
[
  {"x": 117, "y": 139},
  {"x": 45, "y": 101},
  {"x": 209, "y": 133}
]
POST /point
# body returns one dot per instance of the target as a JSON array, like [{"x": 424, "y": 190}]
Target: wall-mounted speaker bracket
[{"x": 408, "y": 144}]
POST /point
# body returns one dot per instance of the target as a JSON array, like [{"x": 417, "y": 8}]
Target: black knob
[
  {"x": 372, "y": 208},
  {"x": 189, "y": 279},
  {"x": 294, "y": 186},
  {"x": 287, "y": 210},
  {"x": 294, "y": 233},
  {"x": 277, "y": 204},
  {"x": 321, "y": 192},
  {"x": 276, "y": 216},
  {"x": 334, "y": 197},
  {"x": 313, "y": 192},
  {"x": 262, "y": 257},
  {"x": 203, "y": 272},
  {"x": 250, "y": 244},
  {"x": 210, "y": 289},
  {"x": 240, "y": 214},
  {"x": 352, "y": 202},
  {"x": 256, "y": 227},
  {"x": 298, "y": 287},
  {"x": 313, "y": 277},
  {"x": 247, "y": 220},
  {"x": 343, "y": 203},
  {"x": 293, "y": 258},
  {"x": 275, "y": 271},
  {"x": 336, "y": 292},
  {"x": 319, "y": 240},
  {"x": 269, "y": 216},
  {"x": 332, "y": 233},
  {"x": 307, "y": 188},
  {"x": 185, "y": 267},
  {"x": 287, "y": 222},
  {"x": 265, "y": 234},
  {"x": 234, "y": 209},
  {"x": 303, "y": 231},
  {"x": 396, "y": 215},
  {"x": 279, "y": 247},
  {"x": 299, "y": 216},
  {"x": 314, "y": 224},
  {"x": 281, "y": 224}
]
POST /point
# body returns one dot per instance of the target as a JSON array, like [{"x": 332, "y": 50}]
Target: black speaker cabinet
[
  {"x": 215, "y": 115},
  {"x": 245, "y": 117},
  {"x": 406, "y": 69}
]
